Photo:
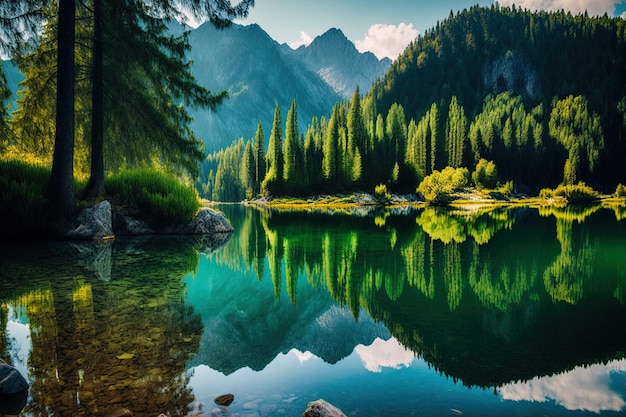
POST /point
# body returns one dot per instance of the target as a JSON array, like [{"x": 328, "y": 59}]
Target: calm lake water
[{"x": 382, "y": 313}]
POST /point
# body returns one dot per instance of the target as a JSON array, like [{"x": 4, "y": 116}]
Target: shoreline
[{"x": 465, "y": 200}]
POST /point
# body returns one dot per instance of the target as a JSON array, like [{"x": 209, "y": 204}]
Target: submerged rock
[
  {"x": 321, "y": 408},
  {"x": 225, "y": 400}
]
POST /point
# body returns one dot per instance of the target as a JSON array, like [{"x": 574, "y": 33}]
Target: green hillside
[
  {"x": 529, "y": 99},
  {"x": 538, "y": 58}
]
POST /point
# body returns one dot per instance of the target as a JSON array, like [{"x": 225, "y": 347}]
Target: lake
[{"x": 395, "y": 312}]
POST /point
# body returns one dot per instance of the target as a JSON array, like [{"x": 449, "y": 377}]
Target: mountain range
[{"x": 260, "y": 73}]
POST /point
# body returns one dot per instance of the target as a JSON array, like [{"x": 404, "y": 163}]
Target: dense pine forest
[{"x": 500, "y": 95}]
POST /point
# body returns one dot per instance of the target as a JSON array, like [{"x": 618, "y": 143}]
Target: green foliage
[
  {"x": 438, "y": 187},
  {"x": 572, "y": 193},
  {"x": 24, "y": 210},
  {"x": 158, "y": 197},
  {"x": 381, "y": 193},
  {"x": 620, "y": 191},
  {"x": 580, "y": 133},
  {"x": 485, "y": 175}
]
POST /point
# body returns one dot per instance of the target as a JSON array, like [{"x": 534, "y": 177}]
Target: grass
[
  {"x": 24, "y": 210},
  {"x": 159, "y": 198}
]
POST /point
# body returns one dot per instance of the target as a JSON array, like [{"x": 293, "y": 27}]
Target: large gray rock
[
  {"x": 209, "y": 221},
  {"x": 321, "y": 408},
  {"x": 93, "y": 222}
]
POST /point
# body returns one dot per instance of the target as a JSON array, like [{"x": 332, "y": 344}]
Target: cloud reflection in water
[
  {"x": 583, "y": 388},
  {"x": 384, "y": 354}
]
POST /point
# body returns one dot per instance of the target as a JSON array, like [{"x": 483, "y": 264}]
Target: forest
[
  {"x": 506, "y": 97},
  {"x": 105, "y": 90}
]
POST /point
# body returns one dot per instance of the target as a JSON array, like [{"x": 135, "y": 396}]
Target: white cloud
[
  {"x": 387, "y": 40},
  {"x": 384, "y": 354},
  {"x": 583, "y": 388},
  {"x": 305, "y": 39},
  {"x": 623, "y": 15},
  {"x": 593, "y": 7}
]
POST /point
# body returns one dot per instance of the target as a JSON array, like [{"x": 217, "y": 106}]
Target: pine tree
[
  {"x": 456, "y": 132},
  {"x": 259, "y": 159},
  {"x": 248, "y": 170},
  {"x": 433, "y": 139},
  {"x": 330, "y": 161},
  {"x": 274, "y": 168},
  {"x": 292, "y": 148}
]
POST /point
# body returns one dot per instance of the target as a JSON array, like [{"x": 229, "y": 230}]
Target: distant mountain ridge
[
  {"x": 337, "y": 61},
  {"x": 259, "y": 73}
]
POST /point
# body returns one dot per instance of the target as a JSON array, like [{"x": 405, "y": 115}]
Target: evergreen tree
[
  {"x": 259, "y": 159},
  {"x": 456, "y": 133},
  {"x": 292, "y": 149},
  {"x": 433, "y": 138},
  {"x": 274, "y": 168},
  {"x": 248, "y": 170},
  {"x": 330, "y": 161},
  {"x": 357, "y": 136},
  {"x": 580, "y": 133}
]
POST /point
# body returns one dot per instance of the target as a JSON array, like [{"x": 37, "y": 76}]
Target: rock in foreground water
[
  {"x": 224, "y": 400},
  {"x": 321, "y": 408}
]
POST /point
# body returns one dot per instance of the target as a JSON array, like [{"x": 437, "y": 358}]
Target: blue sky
[{"x": 385, "y": 27}]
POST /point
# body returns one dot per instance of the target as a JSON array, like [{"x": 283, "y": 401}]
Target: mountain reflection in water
[{"x": 393, "y": 312}]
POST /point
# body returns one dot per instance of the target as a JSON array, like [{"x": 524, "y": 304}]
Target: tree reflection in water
[
  {"x": 482, "y": 295},
  {"x": 99, "y": 346},
  {"x": 487, "y": 297}
]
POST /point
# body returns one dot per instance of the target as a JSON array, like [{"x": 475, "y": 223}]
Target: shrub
[
  {"x": 23, "y": 205},
  {"x": 381, "y": 193},
  {"x": 159, "y": 198},
  {"x": 620, "y": 191},
  {"x": 573, "y": 193},
  {"x": 438, "y": 187},
  {"x": 485, "y": 175}
]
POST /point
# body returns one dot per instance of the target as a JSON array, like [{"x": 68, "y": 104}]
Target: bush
[
  {"x": 24, "y": 211},
  {"x": 155, "y": 196},
  {"x": 620, "y": 191},
  {"x": 438, "y": 187},
  {"x": 573, "y": 193},
  {"x": 485, "y": 175},
  {"x": 381, "y": 193}
]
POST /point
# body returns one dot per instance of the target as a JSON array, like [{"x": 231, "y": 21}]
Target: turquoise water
[{"x": 406, "y": 312}]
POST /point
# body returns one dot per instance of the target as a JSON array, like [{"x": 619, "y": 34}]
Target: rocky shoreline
[{"x": 100, "y": 222}]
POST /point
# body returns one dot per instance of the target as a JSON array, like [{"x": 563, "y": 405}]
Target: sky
[{"x": 386, "y": 27}]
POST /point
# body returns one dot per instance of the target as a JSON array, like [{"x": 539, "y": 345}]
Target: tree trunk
[
  {"x": 61, "y": 188},
  {"x": 95, "y": 188}
]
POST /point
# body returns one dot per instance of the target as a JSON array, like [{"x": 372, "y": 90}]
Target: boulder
[
  {"x": 208, "y": 221},
  {"x": 93, "y": 223},
  {"x": 13, "y": 390},
  {"x": 321, "y": 408}
]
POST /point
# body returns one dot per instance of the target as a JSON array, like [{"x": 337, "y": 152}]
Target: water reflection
[
  {"x": 100, "y": 332},
  {"x": 583, "y": 388},
  {"x": 454, "y": 285},
  {"x": 300, "y": 306}
]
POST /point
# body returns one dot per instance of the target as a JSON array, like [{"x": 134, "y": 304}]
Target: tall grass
[
  {"x": 159, "y": 198},
  {"x": 24, "y": 208}
]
